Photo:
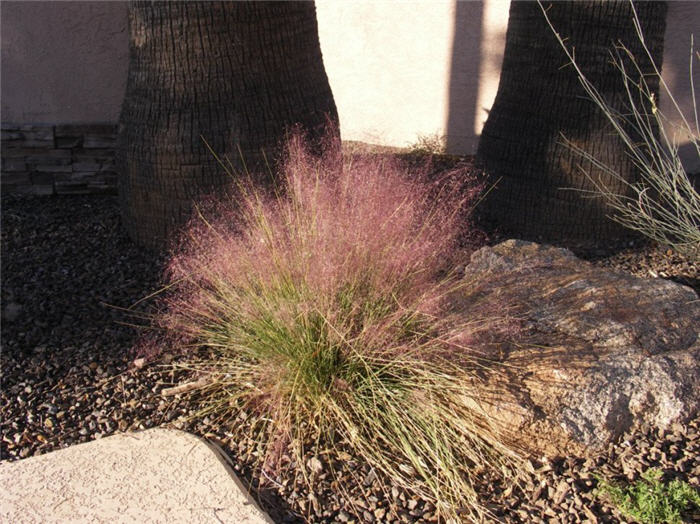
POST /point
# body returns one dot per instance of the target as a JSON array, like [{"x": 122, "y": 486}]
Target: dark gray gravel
[
  {"x": 68, "y": 375},
  {"x": 66, "y": 268}
]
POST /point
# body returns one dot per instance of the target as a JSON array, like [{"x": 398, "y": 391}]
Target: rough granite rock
[{"x": 602, "y": 351}]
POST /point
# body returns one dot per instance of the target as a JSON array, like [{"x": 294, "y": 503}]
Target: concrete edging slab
[{"x": 157, "y": 475}]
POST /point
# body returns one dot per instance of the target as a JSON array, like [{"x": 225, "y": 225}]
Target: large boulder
[{"x": 599, "y": 351}]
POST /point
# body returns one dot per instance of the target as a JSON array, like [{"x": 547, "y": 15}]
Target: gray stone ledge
[{"x": 42, "y": 151}]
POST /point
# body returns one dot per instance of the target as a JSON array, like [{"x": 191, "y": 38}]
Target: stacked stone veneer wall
[{"x": 58, "y": 159}]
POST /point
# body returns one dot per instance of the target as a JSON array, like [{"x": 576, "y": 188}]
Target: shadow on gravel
[
  {"x": 67, "y": 269},
  {"x": 65, "y": 261}
]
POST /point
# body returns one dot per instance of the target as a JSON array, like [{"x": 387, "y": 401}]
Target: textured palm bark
[
  {"x": 236, "y": 74},
  {"x": 539, "y": 98}
]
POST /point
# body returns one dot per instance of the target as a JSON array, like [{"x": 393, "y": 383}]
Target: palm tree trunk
[
  {"x": 539, "y": 98},
  {"x": 237, "y": 74}
]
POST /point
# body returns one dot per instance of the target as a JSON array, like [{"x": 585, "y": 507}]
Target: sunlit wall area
[
  {"x": 402, "y": 70},
  {"x": 388, "y": 63},
  {"x": 493, "y": 42}
]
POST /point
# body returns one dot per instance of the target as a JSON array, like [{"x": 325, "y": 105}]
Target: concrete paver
[{"x": 157, "y": 475}]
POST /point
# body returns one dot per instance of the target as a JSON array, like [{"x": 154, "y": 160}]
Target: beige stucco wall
[
  {"x": 388, "y": 63},
  {"x": 398, "y": 70},
  {"x": 62, "y": 62},
  {"x": 402, "y": 70}
]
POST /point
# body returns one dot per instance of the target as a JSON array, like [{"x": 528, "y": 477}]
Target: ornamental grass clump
[{"x": 324, "y": 309}]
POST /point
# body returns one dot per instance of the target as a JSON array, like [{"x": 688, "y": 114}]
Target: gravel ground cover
[{"x": 69, "y": 376}]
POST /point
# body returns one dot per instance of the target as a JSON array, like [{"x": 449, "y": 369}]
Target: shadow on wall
[
  {"x": 463, "y": 92},
  {"x": 682, "y": 21},
  {"x": 63, "y": 62}
]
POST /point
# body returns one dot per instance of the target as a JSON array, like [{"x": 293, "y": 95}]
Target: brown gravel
[
  {"x": 68, "y": 376},
  {"x": 650, "y": 261}
]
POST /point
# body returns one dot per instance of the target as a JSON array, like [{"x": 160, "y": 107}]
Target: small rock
[
  {"x": 370, "y": 478},
  {"x": 314, "y": 465},
  {"x": 11, "y": 312},
  {"x": 536, "y": 494},
  {"x": 560, "y": 494},
  {"x": 591, "y": 516}
]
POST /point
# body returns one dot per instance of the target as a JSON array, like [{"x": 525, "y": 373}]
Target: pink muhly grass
[
  {"x": 359, "y": 224},
  {"x": 326, "y": 307}
]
